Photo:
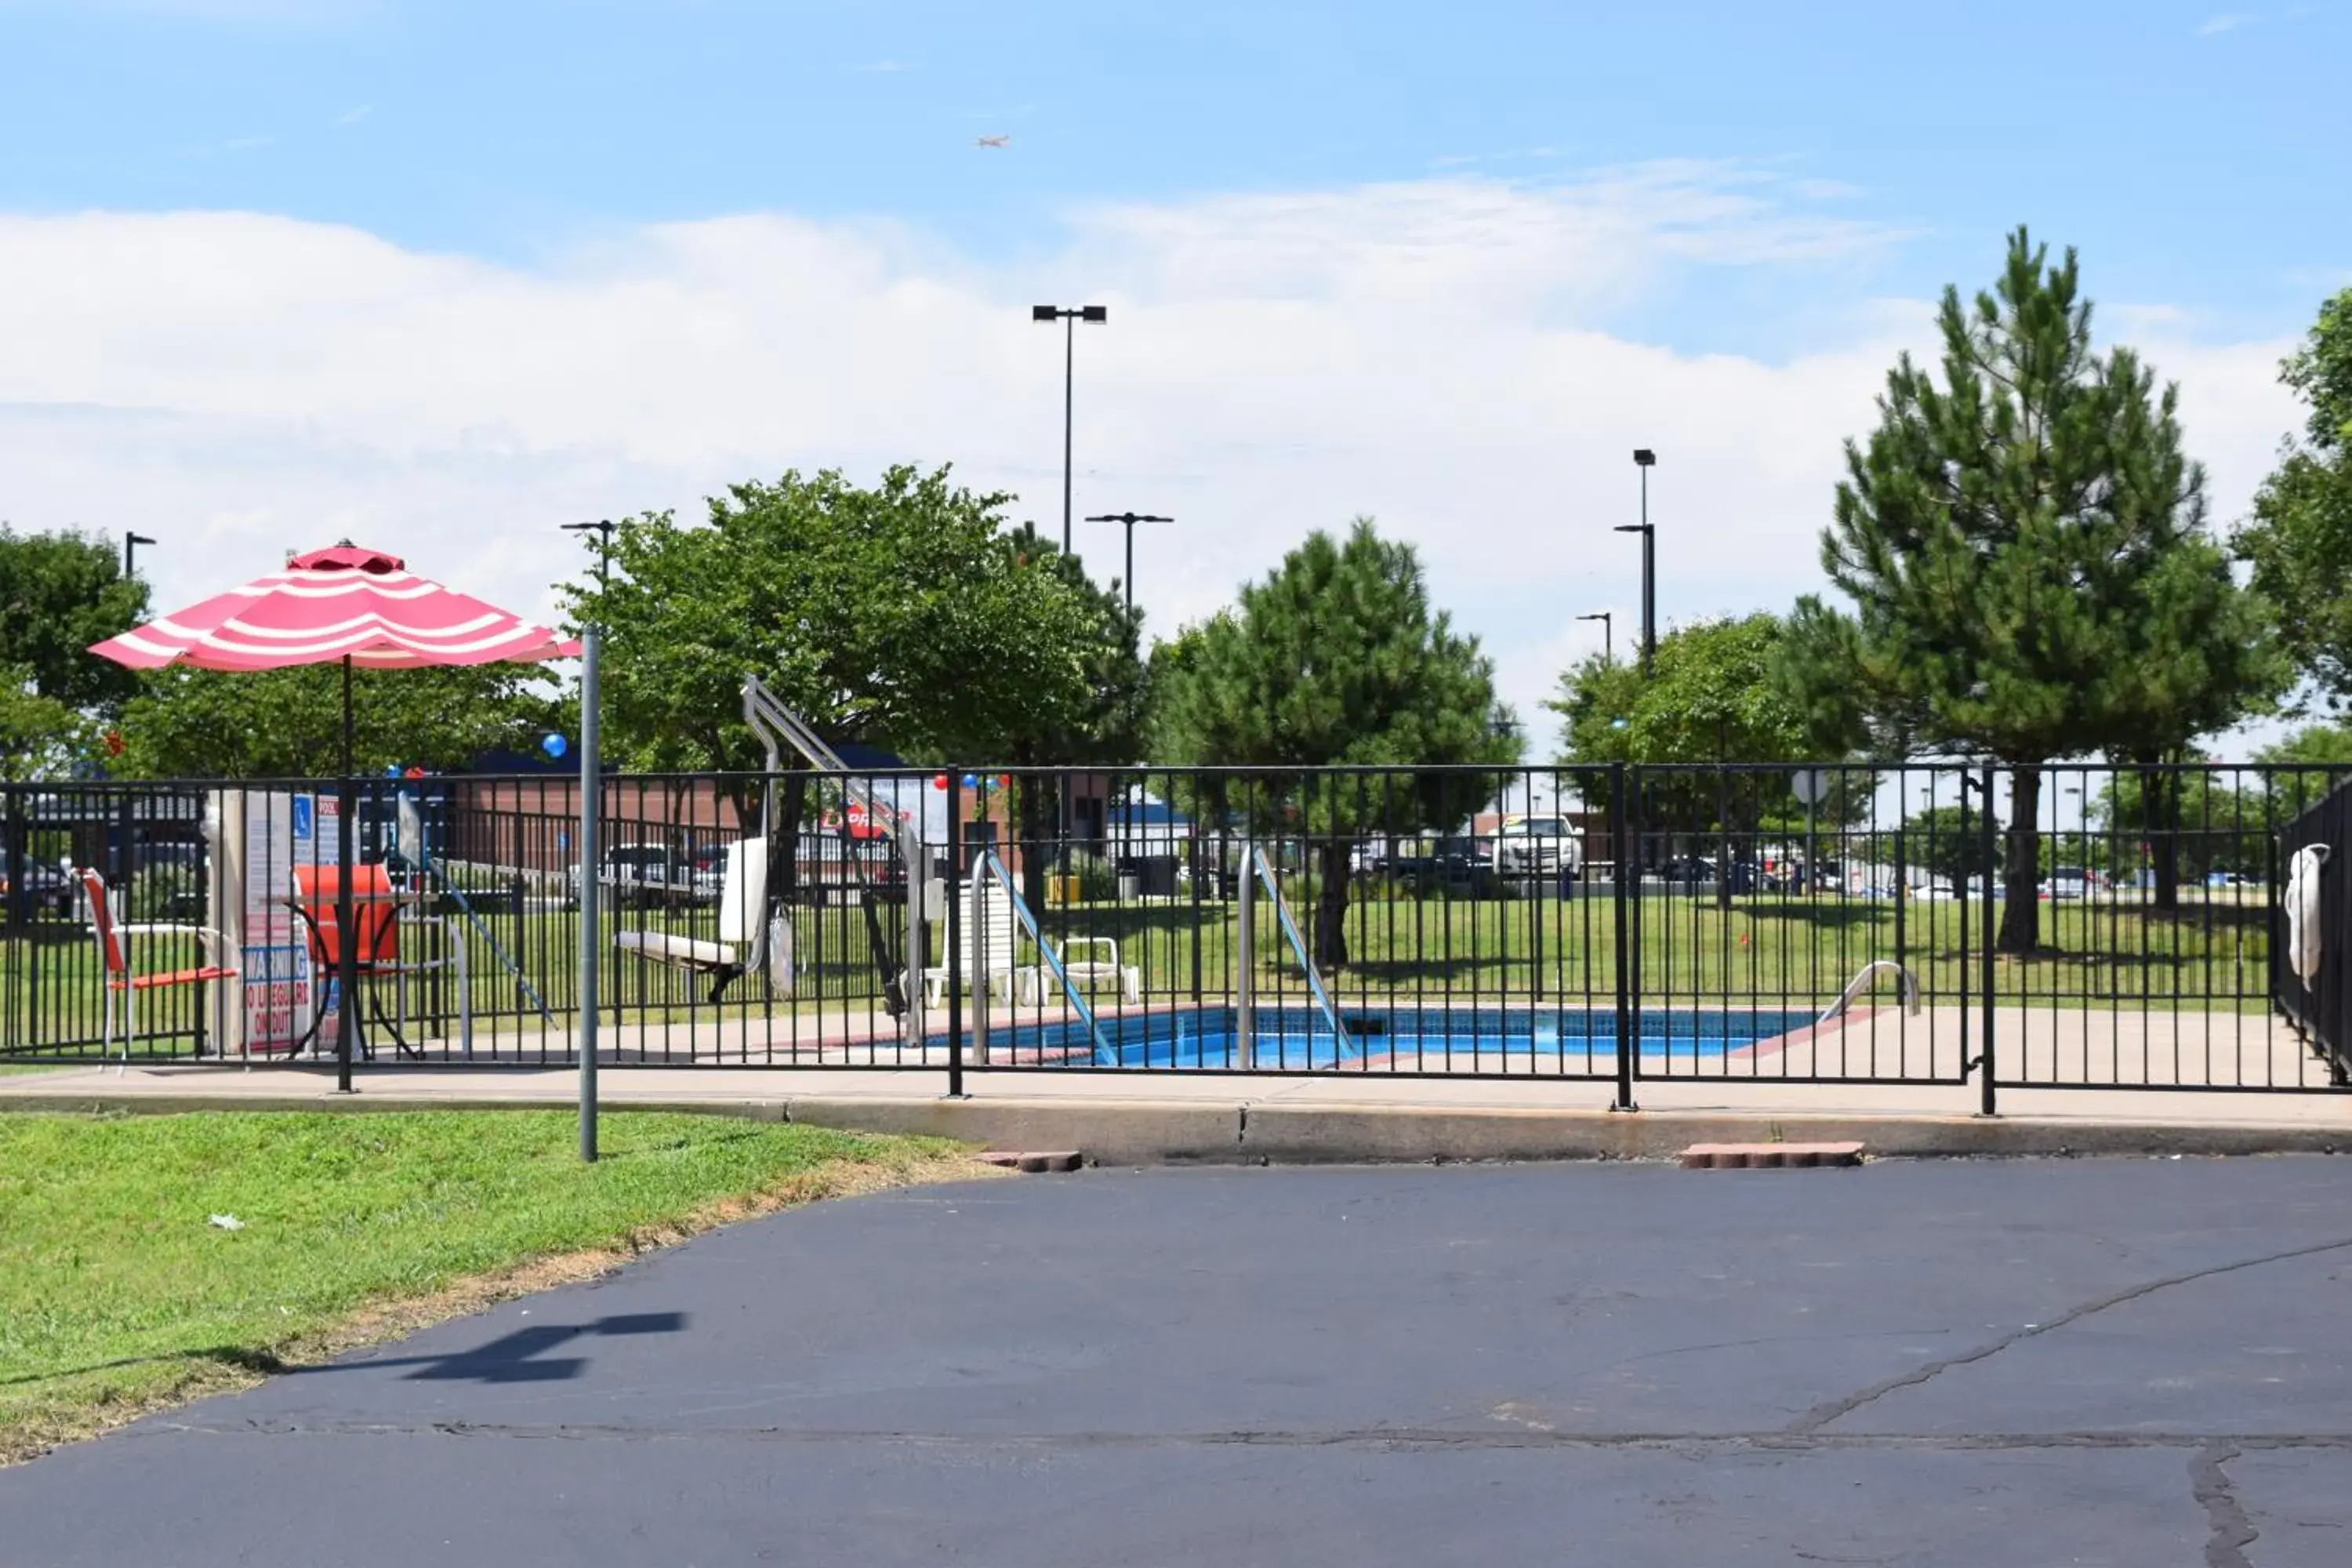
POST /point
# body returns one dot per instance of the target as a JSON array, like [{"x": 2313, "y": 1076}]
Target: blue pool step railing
[{"x": 1255, "y": 869}]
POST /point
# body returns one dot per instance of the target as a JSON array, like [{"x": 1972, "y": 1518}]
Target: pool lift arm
[{"x": 778, "y": 727}]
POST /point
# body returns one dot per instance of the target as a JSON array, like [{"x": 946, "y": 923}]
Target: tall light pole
[
  {"x": 1646, "y": 459},
  {"x": 1070, "y": 316},
  {"x": 1608, "y": 641},
  {"x": 131, "y": 544},
  {"x": 604, "y": 548},
  {"x": 1130, "y": 519}
]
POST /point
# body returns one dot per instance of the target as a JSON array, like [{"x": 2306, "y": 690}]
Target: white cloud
[
  {"x": 1431, "y": 354},
  {"x": 2225, "y": 22},
  {"x": 354, "y": 115}
]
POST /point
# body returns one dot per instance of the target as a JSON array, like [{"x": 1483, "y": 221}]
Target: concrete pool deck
[{"x": 1136, "y": 1118}]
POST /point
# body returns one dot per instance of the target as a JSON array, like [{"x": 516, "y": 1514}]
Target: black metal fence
[
  {"x": 2314, "y": 986},
  {"x": 2070, "y": 926}
]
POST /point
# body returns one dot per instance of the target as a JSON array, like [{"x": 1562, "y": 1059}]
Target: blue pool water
[{"x": 1465, "y": 1038}]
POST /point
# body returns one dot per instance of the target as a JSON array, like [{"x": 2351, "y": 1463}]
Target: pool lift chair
[{"x": 779, "y": 727}]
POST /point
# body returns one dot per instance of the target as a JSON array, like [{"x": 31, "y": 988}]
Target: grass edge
[{"x": 387, "y": 1319}]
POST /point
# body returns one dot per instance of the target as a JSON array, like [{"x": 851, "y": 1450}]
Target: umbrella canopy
[{"x": 332, "y": 605}]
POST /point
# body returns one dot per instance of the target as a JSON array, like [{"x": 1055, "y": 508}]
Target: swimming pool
[{"x": 1459, "y": 1038}]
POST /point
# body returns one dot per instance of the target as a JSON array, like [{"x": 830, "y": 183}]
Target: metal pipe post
[
  {"x": 592, "y": 883},
  {"x": 953, "y": 897},
  {"x": 347, "y": 957},
  {"x": 1246, "y": 959},
  {"x": 1987, "y": 1089},
  {"x": 1069, "y": 400},
  {"x": 1629, "y": 1039},
  {"x": 1648, "y": 581}
]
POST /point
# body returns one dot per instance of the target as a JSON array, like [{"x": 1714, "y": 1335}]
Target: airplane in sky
[{"x": 996, "y": 141}]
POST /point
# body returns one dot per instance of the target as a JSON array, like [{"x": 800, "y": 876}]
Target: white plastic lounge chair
[
  {"x": 1082, "y": 970},
  {"x": 987, "y": 934},
  {"x": 742, "y": 905}
]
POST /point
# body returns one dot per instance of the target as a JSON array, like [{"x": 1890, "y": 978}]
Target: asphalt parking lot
[{"x": 2136, "y": 1362}]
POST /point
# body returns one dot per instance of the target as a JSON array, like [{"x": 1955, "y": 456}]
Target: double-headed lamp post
[
  {"x": 1130, "y": 519},
  {"x": 1070, "y": 316},
  {"x": 1608, "y": 643},
  {"x": 1647, "y": 459}
]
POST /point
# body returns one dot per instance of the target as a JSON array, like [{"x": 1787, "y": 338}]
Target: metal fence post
[
  {"x": 13, "y": 918},
  {"x": 592, "y": 879},
  {"x": 1246, "y": 959},
  {"x": 954, "y": 956},
  {"x": 1628, "y": 982},
  {"x": 1986, "y": 1089}
]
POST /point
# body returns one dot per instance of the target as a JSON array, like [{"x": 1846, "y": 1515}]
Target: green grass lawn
[{"x": 117, "y": 1294}]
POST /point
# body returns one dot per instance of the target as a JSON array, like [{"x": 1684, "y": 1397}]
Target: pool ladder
[
  {"x": 1256, "y": 868},
  {"x": 1861, "y": 982}
]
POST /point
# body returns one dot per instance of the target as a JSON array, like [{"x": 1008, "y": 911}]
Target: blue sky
[
  {"x": 446, "y": 275},
  {"x": 2190, "y": 151}
]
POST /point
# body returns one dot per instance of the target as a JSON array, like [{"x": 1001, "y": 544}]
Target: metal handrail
[
  {"x": 1909, "y": 990},
  {"x": 1254, "y": 859},
  {"x": 990, "y": 864}
]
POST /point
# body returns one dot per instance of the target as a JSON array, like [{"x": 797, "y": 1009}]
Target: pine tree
[
  {"x": 1336, "y": 658},
  {"x": 2025, "y": 550}
]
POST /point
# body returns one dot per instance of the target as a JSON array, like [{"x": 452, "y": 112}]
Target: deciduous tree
[{"x": 2300, "y": 539}]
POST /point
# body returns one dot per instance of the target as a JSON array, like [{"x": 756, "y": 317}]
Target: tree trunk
[
  {"x": 784, "y": 838},
  {"x": 1331, "y": 906},
  {"x": 2020, "y": 915},
  {"x": 1035, "y": 802},
  {"x": 1724, "y": 870},
  {"x": 2160, "y": 804}
]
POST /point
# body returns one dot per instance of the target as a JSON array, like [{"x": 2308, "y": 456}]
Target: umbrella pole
[{"x": 346, "y": 968}]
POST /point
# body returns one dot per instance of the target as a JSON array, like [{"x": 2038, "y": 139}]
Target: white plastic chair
[{"x": 986, "y": 935}]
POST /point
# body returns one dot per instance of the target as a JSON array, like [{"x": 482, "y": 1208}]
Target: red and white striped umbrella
[{"x": 345, "y": 602}]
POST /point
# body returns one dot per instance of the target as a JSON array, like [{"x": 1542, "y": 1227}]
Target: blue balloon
[
  {"x": 554, "y": 745},
  {"x": 970, "y": 781}
]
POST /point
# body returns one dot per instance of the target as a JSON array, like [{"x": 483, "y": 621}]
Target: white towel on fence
[{"x": 2301, "y": 900}]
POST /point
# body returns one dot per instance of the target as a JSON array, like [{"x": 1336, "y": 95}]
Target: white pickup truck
[{"x": 1539, "y": 847}]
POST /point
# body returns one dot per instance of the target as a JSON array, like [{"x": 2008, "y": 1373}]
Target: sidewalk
[{"x": 1118, "y": 1118}]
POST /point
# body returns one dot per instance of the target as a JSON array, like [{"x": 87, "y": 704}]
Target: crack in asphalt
[
  {"x": 1822, "y": 1414},
  {"x": 2206, "y": 1449},
  {"x": 2232, "y": 1533}
]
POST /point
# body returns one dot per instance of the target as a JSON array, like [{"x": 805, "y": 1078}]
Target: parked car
[
  {"x": 2075, "y": 882},
  {"x": 655, "y": 874},
  {"x": 1703, "y": 871},
  {"x": 46, "y": 887},
  {"x": 1453, "y": 865}
]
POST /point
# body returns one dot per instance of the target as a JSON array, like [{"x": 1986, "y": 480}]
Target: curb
[{"x": 1135, "y": 1133}]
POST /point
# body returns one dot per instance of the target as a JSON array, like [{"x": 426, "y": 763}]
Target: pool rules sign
[{"x": 258, "y": 838}]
